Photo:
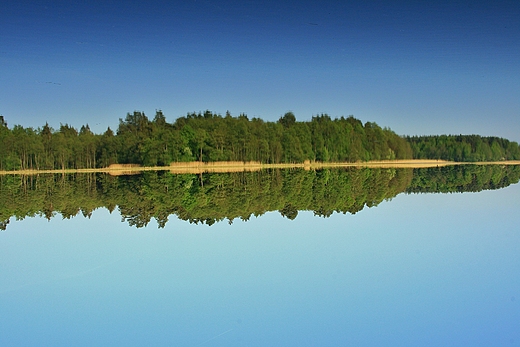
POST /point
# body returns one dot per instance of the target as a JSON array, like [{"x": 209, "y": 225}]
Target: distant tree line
[
  {"x": 211, "y": 137},
  {"x": 463, "y": 148}
]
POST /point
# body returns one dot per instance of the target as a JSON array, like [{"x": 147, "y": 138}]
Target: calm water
[{"x": 419, "y": 270}]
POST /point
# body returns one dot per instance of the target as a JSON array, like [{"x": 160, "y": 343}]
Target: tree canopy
[{"x": 208, "y": 137}]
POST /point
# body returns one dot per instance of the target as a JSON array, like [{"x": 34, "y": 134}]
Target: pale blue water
[{"x": 420, "y": 270}]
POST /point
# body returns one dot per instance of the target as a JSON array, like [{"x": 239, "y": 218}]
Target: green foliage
[
  {"x": 463, "y": 178},
  {"x": 198, "y": 137},
  {"x": 208, "y": 137},
  {"x": 205, "y": 198},
  {"x": 209, "y": 198},
  {"x": 464, "y": 148}
]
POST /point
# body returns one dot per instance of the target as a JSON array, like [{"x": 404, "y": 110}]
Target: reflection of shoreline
[
  {"x": 124, "y": 172},
  {"x": 223, "y": 167},
  {"x": 212, "y": 197}
]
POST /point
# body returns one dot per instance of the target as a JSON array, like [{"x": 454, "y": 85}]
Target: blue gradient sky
[{"x": 416, "y": 67}]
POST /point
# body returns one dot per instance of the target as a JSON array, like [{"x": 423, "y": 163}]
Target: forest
[
  {"x": 463, "y": 148},
  {"x": 210, "y": 137},
  {"x": 210, "y": 198}
]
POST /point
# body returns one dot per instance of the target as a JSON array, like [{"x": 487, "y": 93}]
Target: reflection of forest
[{"x": 208, "y": 198}]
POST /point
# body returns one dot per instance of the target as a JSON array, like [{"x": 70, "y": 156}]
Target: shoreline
[{"x": 223, "y": 167}]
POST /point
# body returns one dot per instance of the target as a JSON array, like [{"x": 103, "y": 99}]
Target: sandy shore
[{"x": 198, "y": 167}]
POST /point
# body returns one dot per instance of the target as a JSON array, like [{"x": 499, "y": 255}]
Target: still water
[{"x": 419, "y": 270}]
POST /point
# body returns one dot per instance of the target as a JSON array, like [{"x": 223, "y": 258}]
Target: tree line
[
  {"x": 198, "y": 137},
  {"x": 463, "y": 148},
  {"x": 210, "y": 198},
  {"x": 208, "y": 137}
]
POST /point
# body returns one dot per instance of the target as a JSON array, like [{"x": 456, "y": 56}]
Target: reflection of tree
[
  {"x": 289, "y": 211},
  {"x": 210, "y": 198},
  {"x": 463, "y": 178},
  {"x": 3, "y": 224}
]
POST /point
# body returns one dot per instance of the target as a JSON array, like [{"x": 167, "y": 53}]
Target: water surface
[{"x": 419, "y": 270}]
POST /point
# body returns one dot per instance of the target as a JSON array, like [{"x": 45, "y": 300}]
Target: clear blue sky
[{"x": 418, "y": 67}]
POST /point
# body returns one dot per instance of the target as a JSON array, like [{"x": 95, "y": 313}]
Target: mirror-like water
[
  {"x": 421, "y": 270},
  {"x": 210, "y": 198}
]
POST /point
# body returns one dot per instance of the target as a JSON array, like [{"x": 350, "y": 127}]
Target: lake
[{"x": 346, "y": 257}]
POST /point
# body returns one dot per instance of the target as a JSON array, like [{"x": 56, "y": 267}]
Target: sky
[{"x": 417, "y": 67}]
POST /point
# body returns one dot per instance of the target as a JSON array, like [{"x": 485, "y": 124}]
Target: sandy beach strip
[{"x": 223, "y": 167}]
